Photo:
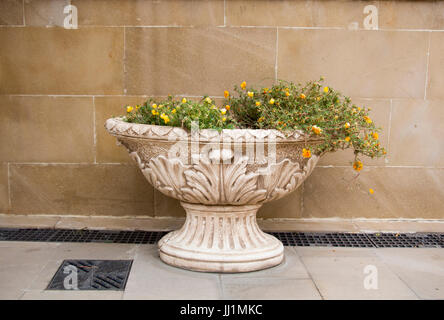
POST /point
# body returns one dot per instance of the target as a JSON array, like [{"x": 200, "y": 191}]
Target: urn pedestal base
[{"x": 221, "y": 239}]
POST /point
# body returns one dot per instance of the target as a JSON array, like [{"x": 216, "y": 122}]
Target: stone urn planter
[{"x": 221, "y": 178}]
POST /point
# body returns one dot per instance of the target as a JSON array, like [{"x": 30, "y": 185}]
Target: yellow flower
[
  {"x": 261, "y": 119},
  {"x": 250, "y": 94},
  {"x": 316, "y": 129},
  {"x": 129, "y": 109},
  {"x": 357, "y": 165},
  {"x": 347, "y": 125},
  {"x": 154, "y": 106},
  {"x": 184, "y": 100},
  {"x": 336, "y": 117},
  {"x": 208, "y": 100},
  {"x": 226, "y": 94},
  {"x": 287, "y": 94},
  {"x": 224, "y": 119},
  {"x": 213, "y": 107},
  {"x": 367, "y": 119},
  {"x": 227, "y": 107},
  {"x": 165, "y": 118},
  {"x": 271, "y": 101},
  {"x": 302, "y": 96},
  {"x": 359, "y": 108},
  {"x": 347, "y": 139},
  {"x": 371, "y": 191},
  {"x": 375, "y": 135},
  {"x": 243, "y": 85},
  {"x": 258, "y": 103},
  {"x": 154, "y": 112},
  {"x": 174, "y": 111},
  {"x": 137, "y": 107},
  {"x": 318, "y": 98},
  {"x": 326, "y": 89},
  {"x": 223, "y": 111},
  {"x": 306, "y": 153}
]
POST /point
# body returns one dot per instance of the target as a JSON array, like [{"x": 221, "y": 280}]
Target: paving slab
[
  {"x": 421, "y": 269},
  {"x": 25, "y": 253},
  {"x": 150, "y": 278},
  {"x": 26, "y": 268},
  {"x": 343, "y": 274},
  {"x": 269, "y": 289},
  {"x": 290, "y": 268}
]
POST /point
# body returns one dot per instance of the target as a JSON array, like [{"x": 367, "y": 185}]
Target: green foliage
[
  {"x": 317, "y": 110},
  {"x": 180, "y": 113}
]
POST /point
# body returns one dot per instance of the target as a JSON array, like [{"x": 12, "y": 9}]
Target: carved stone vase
[{"x": 221, "y": 178}]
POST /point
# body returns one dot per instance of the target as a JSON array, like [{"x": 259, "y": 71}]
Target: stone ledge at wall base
[{"x": 221, "y": 187}]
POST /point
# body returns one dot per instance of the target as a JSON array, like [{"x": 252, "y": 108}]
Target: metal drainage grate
[
  {"x": 331, "y": 239},
  {"x": 66, "y": 235},
  {"x": 407, "y": 240},
  {"x": 91, "y": 275},
  {"x": 325, "y": 239}
]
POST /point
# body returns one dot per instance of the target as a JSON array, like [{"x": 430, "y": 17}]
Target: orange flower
[
  {"x": 367, "y": 119},
  {"x": 357, "y": 165},
  {"x": 306, "y": 153},
  {"x": 316, "y": 129},
  {"x": 371, "y": 191},
  {"x": 375, "y": 135},
  {"x": 258, "y": 103},
  {"x": 347, "y": 139},
  {"x": 226, "y": 94},
  {"x": 243, "y": 85},
  {"x": 227, "y": 107},
  {"x": 347, "y": 125},
  {"x": 302, "y": 96}
]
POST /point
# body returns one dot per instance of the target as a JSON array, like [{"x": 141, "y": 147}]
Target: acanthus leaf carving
[{"x": 215, "y": 182}]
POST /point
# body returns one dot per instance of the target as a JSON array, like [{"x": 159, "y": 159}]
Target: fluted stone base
[{"x": 221, "y": 239}]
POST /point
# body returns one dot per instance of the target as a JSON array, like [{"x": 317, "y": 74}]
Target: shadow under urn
[{"x": 221, "y": 178}]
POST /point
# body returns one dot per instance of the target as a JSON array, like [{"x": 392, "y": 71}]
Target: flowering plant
[{"x": 313, "y": 108}]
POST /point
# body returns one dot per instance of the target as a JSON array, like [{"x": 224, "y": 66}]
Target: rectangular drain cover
[{"x": 91, "y": 275}]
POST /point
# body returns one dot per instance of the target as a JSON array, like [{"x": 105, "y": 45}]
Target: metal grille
[
  {"x": 91, "y": 275},
  {"x": 407, "y": 240},
  {"x": 331, "y": 239},
  {"x": 325, "y": 239},
  {"x": 361, "y": 240},
  {"x": 66, "y": 235}
]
